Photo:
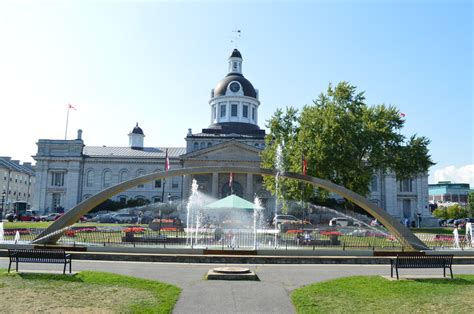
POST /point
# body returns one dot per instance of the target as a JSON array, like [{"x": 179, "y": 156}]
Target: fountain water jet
[
  {"x": 280, "y": 168},
  {"x": 257, "y": 219}
]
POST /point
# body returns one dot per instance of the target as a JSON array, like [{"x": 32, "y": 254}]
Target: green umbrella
[{"x": 232, "y": 201}]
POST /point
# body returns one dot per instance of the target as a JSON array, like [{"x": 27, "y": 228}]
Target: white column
[
  {"x": 249, "y": 190},
  {"x": 215, "y": 184},
  {"x": 186, "y": 187}
]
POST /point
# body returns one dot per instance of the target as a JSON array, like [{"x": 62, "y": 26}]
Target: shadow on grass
[
  {"x": 50, "y": 277},
  {"x": 444, "y": 281}
]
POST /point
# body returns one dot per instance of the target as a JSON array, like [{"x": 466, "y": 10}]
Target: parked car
[
  {"x": 343, "y": 222},
  {"x": 104, "y": 218},
  {"x": 50, "y": 217},
  {"x": 28, "y": 216},
  {"x": 124, "y": 218},
  {"x": 280, "y": 219}
]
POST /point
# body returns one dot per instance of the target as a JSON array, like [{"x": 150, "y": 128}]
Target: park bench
[
  {"x": 422, "y": 261},
  {"x": 39, "y": 256}
]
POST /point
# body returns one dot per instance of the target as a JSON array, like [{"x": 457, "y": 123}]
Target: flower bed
[{"x": 21, "y": 231}]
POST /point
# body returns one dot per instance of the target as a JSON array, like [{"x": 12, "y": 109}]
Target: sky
[{"x": 155, "y": 63}]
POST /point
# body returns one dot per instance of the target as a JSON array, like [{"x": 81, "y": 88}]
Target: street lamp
[{"x": 3, "y": 203}]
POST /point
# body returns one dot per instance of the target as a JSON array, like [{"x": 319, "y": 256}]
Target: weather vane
[{"x": 235, "y": 37}]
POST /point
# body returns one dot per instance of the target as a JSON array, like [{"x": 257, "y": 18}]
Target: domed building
[
  {"x": 233, "y": 137},
  {"x": 68, "y": 171}
]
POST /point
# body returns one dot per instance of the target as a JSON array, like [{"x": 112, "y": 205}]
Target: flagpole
[{"x": 67, "y": 121}]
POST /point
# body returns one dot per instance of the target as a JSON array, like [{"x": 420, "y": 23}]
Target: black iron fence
[{"x": 222, "y": 239}]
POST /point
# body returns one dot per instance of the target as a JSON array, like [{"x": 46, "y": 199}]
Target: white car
[{"x": 279, "y": 219}]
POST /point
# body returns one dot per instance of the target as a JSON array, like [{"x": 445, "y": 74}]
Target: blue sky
[{"x": 152, "y": 62}]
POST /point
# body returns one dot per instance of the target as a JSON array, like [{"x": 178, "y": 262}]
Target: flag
[
  {"x": 402, "y": 115},
  {"x": 72, "y": 107},
  {"x": 167, "y": 161}
]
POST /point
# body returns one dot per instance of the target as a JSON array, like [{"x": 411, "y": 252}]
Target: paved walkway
[{"x": 269, "y": 295}]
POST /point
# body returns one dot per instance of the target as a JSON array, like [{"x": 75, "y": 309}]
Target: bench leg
[
  {"x": 17, "y": 265},
  {"x": 396, "y": 269},
  {"x": 9, "y": 266},
  {"x": 70, "y": 266},
  {"x": 64, "y": 269},
  {"x": 451, "y": 271},
  {"x": 444, "y": 271}
]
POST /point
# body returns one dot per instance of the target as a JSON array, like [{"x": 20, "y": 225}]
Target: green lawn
[
  {"x": 85, "y": 292},
  {"x": 374, "y": 294}
]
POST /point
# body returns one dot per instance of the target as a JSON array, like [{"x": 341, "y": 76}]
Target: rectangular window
[
  {"x": 57, "y": 178},
  {"x": 253, "y": 113},
  {"x": 122, "y": 200},
  {"x": 158, "y": 184},
  {"x": 233, "y": 112},
  {"x": 245, "y": 111},
  {"x": 406, "y": 185},
  {"x": 174, "y": 182},
  {"x": 223, "y": 109},
  {"x": 214, "y": 112}
]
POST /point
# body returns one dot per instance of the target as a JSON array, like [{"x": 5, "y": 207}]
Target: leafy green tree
[
  {"x": 343, "y": 140},
  {"x": 470, "y": 205},
  {"x": 440, "y": 213}
]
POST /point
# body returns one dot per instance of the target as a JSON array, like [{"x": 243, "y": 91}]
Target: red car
[{"x": 28, "y": 216}]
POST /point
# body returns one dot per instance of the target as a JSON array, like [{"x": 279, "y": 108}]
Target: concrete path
[{"x": 269, "y": 295}]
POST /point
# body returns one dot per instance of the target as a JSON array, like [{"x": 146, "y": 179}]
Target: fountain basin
[{"x": 231, "y": 273}]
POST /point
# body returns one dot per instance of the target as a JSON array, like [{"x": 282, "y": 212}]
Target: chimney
[{"x": 79, "y": 134}]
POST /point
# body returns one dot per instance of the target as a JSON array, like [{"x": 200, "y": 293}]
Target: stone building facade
[
  {"x": 69, "y": 171},
  {"x": 16, "y": 181}
]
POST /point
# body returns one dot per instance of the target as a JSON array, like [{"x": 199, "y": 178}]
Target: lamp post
[{"x": 3, "y": 203}]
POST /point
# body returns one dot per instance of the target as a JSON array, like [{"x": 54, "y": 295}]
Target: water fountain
[
  {"x": 279, "y": 165},
  {"x": 257, "y": 219},
  {"x": 192, "y": 217}
]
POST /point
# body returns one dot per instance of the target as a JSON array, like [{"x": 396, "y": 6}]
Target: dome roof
[
  {"x": 137, "y": 130},
  {"x": 247, "y": 87},
  {"x": 236, "y": 54}
]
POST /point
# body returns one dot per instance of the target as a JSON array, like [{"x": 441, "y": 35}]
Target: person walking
[
  {"x": 139, "y": 219},
  {"x": 456, "y": 237}
]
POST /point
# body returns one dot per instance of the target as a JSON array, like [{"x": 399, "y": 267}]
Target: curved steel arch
[{"x": 51, "y": 235}]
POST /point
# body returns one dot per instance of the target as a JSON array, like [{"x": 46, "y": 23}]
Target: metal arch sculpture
[{"x": 52, "y": 234}]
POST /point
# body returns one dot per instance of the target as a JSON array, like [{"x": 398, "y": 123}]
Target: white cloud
[{"x": 464, "y": 174}]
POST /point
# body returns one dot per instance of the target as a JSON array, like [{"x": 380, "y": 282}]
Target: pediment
[{"x": 228, "y": 151}]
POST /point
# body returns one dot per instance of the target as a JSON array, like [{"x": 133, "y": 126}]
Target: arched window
[
  {"x": 195, "y": 146},
  {"x": 374, "y": 184},
  {"x": 86, "y": 196},
  {"x": 122, "y": 199},
  {"x": 90, "y": 178},
  {"x": 107, "y": 178},
  {"x": 140, "y": 173},
  {"x": 209, "y": 144},
  {"x": 123, "y": 175},
  {"x": 203, "y": 145}
]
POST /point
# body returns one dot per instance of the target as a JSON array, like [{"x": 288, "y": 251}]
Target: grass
[
  {"x": 373, "y": 294},
  {"x": 436, "y": 230},
  {"x": 85, "y": 292}
]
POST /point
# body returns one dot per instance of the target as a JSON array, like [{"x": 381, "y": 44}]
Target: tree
[
  {"x": 470, "y": 205},
  {"x": 342, "y": 140}
]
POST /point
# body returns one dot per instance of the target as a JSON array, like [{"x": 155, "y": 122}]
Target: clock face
[{"x": 234, "y": 87}]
